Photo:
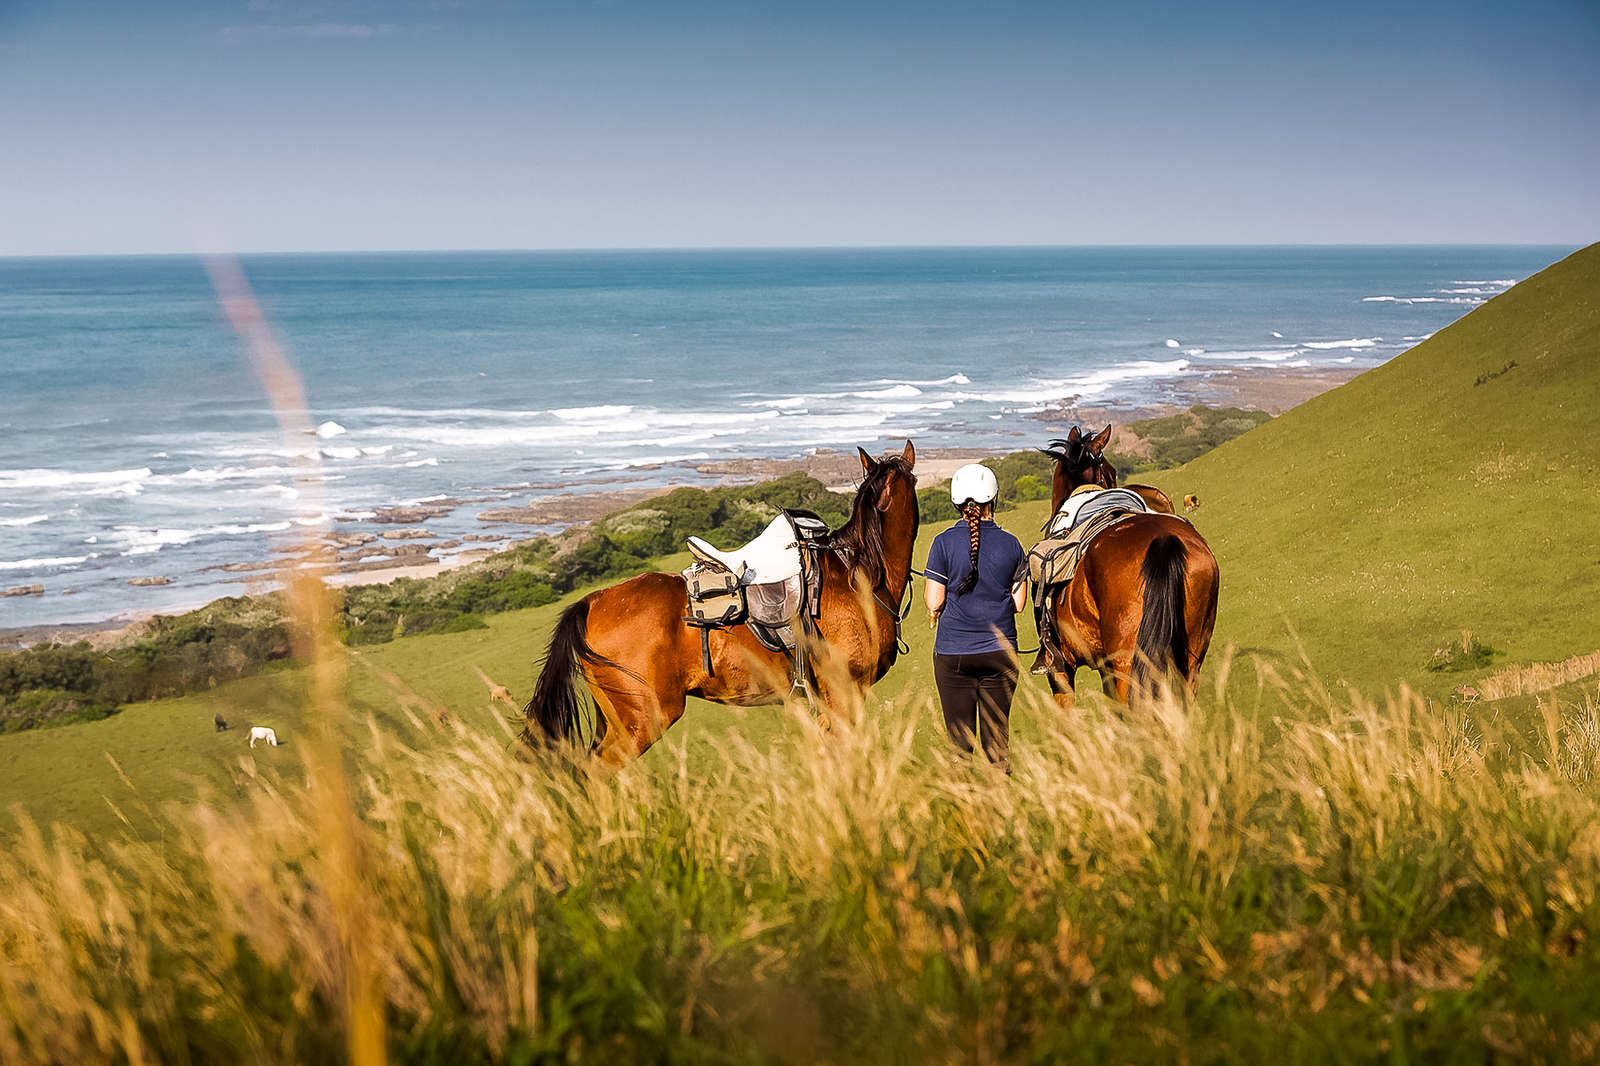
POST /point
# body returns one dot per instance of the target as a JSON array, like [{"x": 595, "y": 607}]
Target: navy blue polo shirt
[{"x": 969, "y": 623}]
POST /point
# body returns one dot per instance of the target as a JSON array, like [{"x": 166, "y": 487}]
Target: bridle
[{"x": 897, "y": 612}]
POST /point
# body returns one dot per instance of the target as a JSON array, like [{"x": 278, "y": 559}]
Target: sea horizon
[
  {"x": 140, "y": 445},
  {"x": 735, "y": 248}
]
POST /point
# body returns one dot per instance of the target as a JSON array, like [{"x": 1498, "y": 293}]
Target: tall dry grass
[{"x": 1367, "y": 880}]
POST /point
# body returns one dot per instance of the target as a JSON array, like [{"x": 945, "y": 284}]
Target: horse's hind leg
[
  {"x": 1114, "y": 678},
  {"x": 635, "y": 715}
]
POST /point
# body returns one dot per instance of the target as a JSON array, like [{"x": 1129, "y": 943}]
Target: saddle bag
[
  {"x": 1053, "y": 561},
  {"x": 716, "y": 597}
]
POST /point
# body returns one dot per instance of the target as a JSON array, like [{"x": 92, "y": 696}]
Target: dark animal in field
[
  {"x": 627, "y": 646},
  {"x": 220, "y": 722},
  {"x": 1191, "y": 503},
  {"x": 1080, "y": 460},
  {"x": 1139, "y": 609}
]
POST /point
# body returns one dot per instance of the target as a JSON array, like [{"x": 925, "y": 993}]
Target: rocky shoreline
[{"x": 404, "y": 547}]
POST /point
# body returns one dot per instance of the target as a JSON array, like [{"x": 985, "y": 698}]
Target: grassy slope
[
  {"x": 1377, "y": 521},
  {"x": 1381, "y": 519}
]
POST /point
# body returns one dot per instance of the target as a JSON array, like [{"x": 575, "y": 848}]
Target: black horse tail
[
  {"x": 559, "y": 698},
  {"x": 1162, "y": 649}
]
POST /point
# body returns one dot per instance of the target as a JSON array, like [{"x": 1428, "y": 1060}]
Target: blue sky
[{"x": 283, "y": 125}]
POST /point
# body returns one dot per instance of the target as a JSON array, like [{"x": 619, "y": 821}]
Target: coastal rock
[
  {"x": 24, "y": 590},
  {"x": 444, "y": 544},
  {"x": 409, "y": 551},
  {"x": 350, "y": 540},
  {"x": 406, "y": 516},
  {"x": 568, "y": 508},
  {"x": 146, "y": 582},
  {"x": 489, "y": 537},
  {"x": 406, "y": 534}
]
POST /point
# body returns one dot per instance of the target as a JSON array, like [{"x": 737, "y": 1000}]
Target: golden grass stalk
[{"x": 311, "y": 613}]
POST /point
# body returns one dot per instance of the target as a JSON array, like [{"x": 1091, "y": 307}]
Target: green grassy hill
[{"x": 1451, "y": 489}]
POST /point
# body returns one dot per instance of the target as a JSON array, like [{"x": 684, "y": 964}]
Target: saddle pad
[
  {"x": 1054, "y": 560},
  {"x": 1081, "y": 506}
]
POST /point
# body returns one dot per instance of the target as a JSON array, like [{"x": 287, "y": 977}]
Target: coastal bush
[
  {"x": 48, "y": 707},
  {"x": 1176, "y": 439},
  {"x": 934, "y": 506},
  {"x": 1031, "y": 487},
  {"x": 1347, "y": 882},
  {"x": 173, "y": 656},
  {"x": 54, "y": 667}
]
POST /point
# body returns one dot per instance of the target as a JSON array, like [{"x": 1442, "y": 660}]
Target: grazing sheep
[
  {"x": 220, "y": 722},
  {"x": 261, "y": 732},
  {"x": 1191, "y": 502}
]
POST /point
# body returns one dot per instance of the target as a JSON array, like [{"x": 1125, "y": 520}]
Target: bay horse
[
  {"x": 1140, "y": 608},
  {"x": 627, "y": 650},
  {"x": 1080, "y": 460}
]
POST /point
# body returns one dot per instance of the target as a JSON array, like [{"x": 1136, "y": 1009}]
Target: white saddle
[{"x": 772, "y": 556}]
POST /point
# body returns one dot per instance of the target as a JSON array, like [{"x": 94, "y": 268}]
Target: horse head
[
  {"x": 890, "y": 476},
  {"x": 1080, "y": 460},
  {"x": 883, "y": 520}
]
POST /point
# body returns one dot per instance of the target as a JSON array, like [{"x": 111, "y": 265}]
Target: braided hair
[{"x": 972, "y": 511}]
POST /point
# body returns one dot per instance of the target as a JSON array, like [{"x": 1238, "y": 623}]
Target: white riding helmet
[{"x": 973, "y": 482}]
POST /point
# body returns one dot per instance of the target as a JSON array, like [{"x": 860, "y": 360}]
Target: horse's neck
[{"x": 899, "y": 541}]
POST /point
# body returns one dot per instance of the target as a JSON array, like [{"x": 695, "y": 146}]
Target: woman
[{"x": 977, "y": 582}]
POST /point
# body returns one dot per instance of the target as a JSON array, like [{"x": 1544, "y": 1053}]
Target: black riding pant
[{"x": 976, "y": 692}]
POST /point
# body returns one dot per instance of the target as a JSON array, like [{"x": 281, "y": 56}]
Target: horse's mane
[
  {"x": 860, "y": 539},
  {"x": 1074, "y": 455}
]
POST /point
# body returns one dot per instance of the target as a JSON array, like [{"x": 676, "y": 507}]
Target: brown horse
[
  {"x": 1080, "y": 460},
  {"x": 627, "y": 648},
  {"x": 1139, "y": 609}
]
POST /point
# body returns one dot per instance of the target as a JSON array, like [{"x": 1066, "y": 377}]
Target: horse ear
[
  {"x": 909, "y": 454},
  {"x": 1072, "y": 438},
  {"x": 866, "y": 460},
  {"x": 1100, "y": 441}
]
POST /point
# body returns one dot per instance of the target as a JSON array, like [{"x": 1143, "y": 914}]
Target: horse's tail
[
  {"x": 1162, "y": 648},
  {"x": 558, "y": 700}
]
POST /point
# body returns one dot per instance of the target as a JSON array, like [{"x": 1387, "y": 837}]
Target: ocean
[{"x": 137, "y": 442}]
